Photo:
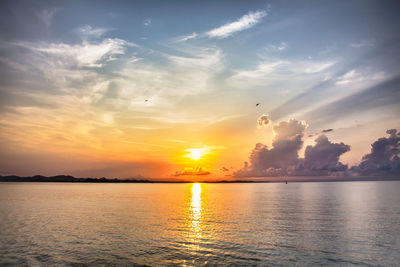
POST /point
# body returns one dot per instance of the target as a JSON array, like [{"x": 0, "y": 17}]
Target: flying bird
[{"x": 258, "y": 104}]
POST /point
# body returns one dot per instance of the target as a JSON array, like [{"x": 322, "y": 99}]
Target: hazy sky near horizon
[{"x": 126, "y": 88}]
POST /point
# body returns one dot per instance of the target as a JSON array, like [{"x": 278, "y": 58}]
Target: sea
[{"x": 200, "y": 224}]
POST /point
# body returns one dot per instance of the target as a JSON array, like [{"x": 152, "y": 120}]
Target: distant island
[
  {"x": 72, "y": 179},
  {"x": 68, "y": 179}
]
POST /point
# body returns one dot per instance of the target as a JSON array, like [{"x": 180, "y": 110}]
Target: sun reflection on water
[
  {"x": 196, "y": 234},
  {"x": 195, "y": 208}
]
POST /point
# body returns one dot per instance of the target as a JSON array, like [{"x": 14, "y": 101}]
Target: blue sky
[{"x": 131, "y": 85}]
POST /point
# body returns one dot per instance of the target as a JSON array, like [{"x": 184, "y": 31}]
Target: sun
[{"x": 196, "y": 153}]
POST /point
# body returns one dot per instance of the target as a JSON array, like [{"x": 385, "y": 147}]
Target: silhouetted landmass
[
  {"x": 293, "y": 179},
  {"x": 71, "y": 179},
  {"x": 68, "y": 179}
]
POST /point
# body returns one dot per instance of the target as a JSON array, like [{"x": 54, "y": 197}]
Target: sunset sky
[{"x": 183, "y": 89}]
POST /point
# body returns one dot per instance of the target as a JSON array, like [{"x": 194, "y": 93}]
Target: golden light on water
[
  {"x": 196, "y": 202},
  {"x": 196, "y": 210}
]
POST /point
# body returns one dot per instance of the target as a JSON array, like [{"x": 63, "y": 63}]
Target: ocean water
[{"x": 304, "y": 224}]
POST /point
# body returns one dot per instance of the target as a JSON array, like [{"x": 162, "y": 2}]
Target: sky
[{"x": 199, "y": 89}]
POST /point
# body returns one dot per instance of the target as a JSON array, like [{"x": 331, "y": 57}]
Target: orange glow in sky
[{"x": 196, "y": 153}]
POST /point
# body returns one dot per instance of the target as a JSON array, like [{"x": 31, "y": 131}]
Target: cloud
[
  {"x": 326, "y": 130},
  {"x": 276, "y": 69},
  {"x": 245, "y": 22},
  {"x": 283, "y": 155},
  {"x": 224, "y": 169},
  {"x": 224, "y": 118},
  {"x": 383, "y": 158},
  {"x": 282, "y": 159},
  {"x": 85, "y": 54},
  {"x": 323, "y": 157},
  {"x": 198, "y": 172},
  {"x": 282, "y": 46},
  {"x": 191, "y": 72},
  {"x": 202, "y": 58},
  {"x": 385, "y": 94},
  {"x": 88, "y": 31},
  {"x": 263, "y": 121},
  {"x": 273, "y": 48},
  {"x": 101, "y": 73},
  {"x": 317, "y": 92},
  {"x": 46, "y": 16},
  {"x": 94, "y": 84},
  {"x": 185, "y": 37},
  {"x": 147, "y": 22},
  {"x": 360, "y": 44},
  {"x": 353, "y": 77}
]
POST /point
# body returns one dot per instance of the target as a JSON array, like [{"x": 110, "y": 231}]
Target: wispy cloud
[
  {"x": 245, "y": 22},
  {"x": 200, "y": 172},
  {"x": 356, "y": 77},
  {"x": 185, "y": 37},
  {"x": 147, "y": 22},
  {"x": 224, "y": 118},
  {"x": 274, "y": 69},
  {"x": 117, "y": 74},
  {"x": 84, "y": 54},
  {"x": 273, "y": 49},
  {"x": 360, "y": 44},
  {"x": 342, "y": 74},
  {"x": 383, "y": 95},
  {"x": 88, "y": 31},
  {"x": 46, "y": 16}
]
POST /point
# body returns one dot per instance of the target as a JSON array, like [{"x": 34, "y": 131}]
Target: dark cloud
[
  {"x": 282, "y": 159},
  {"x": 199, "y": 172},
  {"x": 224, "y": 169},
  {"x": 263, "y": 120},
  {"x": 326, "y": 130},
  {"x": 282, "y": 156},
  {"x": 323, "y": 157},
  {"x": 383, "y": 158}
]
